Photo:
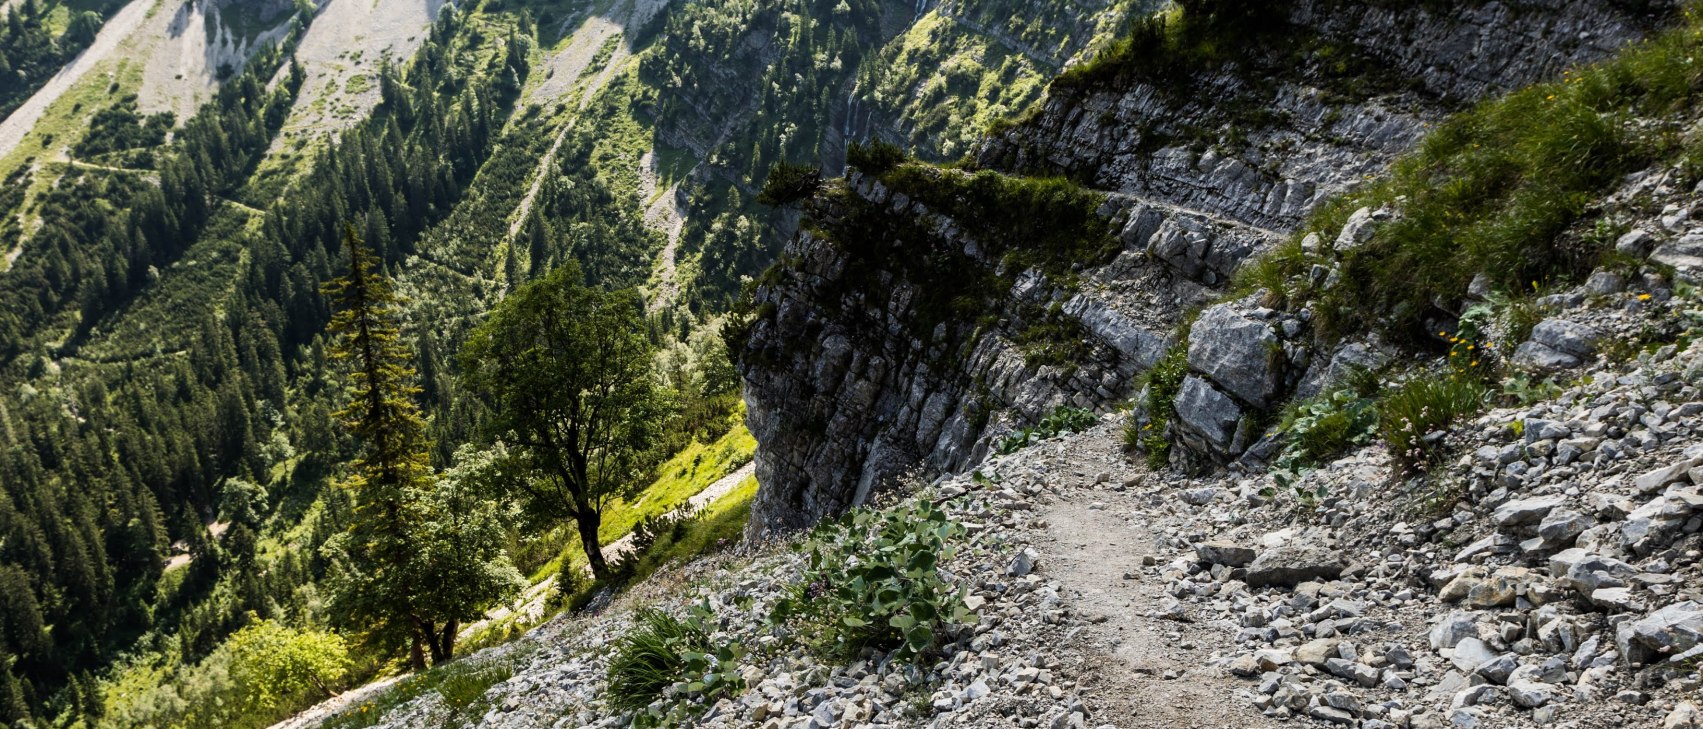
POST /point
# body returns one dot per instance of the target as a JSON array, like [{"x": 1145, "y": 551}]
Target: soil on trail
[{"x": 1154, "y": 671}]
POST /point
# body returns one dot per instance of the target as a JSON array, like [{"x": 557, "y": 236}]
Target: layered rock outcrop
[{"x": 859, "y": 369}]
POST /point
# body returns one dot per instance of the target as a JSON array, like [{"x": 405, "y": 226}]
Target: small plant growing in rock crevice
[
  {"x": 1163, "y": 382},
  {"x": 1416, "y": 415},
  {"x": 874, "y": 581},
  {"x": 1061, "y": 421}
]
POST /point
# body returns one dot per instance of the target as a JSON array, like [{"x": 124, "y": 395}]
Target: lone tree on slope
[{"x": 567, "y": 369}]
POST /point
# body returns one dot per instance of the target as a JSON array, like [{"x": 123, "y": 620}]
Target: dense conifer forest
[{"x": 177, "y": 442}]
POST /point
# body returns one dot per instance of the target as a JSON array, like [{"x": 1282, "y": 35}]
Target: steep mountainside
[
  {"x": 175, "y": 201},
  {"x": 931, "y": 311}
]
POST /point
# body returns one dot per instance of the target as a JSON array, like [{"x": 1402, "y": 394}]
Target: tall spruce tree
[{"x": 419, "y": 558}]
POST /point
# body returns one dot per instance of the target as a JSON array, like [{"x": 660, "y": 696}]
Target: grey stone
[
  {"x": 1208, "y": 412},
  {"x": 1669, "y": 631},
  {"x": 1225, "y": 553},
  {"x": 1534, "y": 356},
  {"x": 1471, "y": 653},
  {"x": 1603, "y": 283},
  {"x": 1526, "y": 511},
  {"x": 1023, "y": 563},
  {"x": 1586, "y": 572},
  {"x": 1637, "y": 243},
  {"x": 1655, "y": 479},
  {"x": 1684, "y": 716},
  {"x": 1451, "y": 629},
  {"x": 1530, "y": 695},
  {"x": 1357, "y": 231},
  {"x": 1499, "y": 668},
  {"x": 1685, "y": 255},
  {"x": 1294, "y": 563},
  {"x": 1568, "y": 337},
  {"x": 1237, "y": 353},
  {"x": 1199, "y": 497},
  {"x": 1562, "y": 526}
]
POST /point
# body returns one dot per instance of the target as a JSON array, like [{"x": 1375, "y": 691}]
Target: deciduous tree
[{"x": 567, "y": 369}]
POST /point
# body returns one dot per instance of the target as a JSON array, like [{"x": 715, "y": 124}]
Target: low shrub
[
  {"x": 874, "y": 157},
  {"x": 1162, "y": 383},
  {"x": 874, "y": 582},
  {"x": 789, "y": 183},
  {"x": 1324, "y": 427}
]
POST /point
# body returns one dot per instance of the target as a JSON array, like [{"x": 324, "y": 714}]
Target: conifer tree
[{"x": 377, "y": 583}]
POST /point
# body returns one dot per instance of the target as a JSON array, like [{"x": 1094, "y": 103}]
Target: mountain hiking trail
[
  {"x": 665, "y": 215},
  {"x": 1153, "y": 670}
]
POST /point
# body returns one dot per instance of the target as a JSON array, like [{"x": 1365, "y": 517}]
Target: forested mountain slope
[{"x": 172, "y": 215}]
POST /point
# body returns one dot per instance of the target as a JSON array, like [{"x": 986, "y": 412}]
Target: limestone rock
[{"x": 1295, "y": 563}]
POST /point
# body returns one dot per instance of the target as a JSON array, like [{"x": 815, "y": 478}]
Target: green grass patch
[
  {"x": 720, "y": 525},
  {"x": 679, "y": 479},
  {"x": 1496, "y": 190},
  {"x": 1414, "y": 416}
]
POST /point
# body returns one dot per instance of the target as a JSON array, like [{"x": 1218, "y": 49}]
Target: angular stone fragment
[
  {"x": 1237, "y": 353},
  {"x": 1669, "y": 631},
  {"x": 1526, "y": 511},
  {"x": 1294, "y": 563},
  {"x": 1225, "y": 553},
  {"x": 1208, "y": 412},
  {"x": 1567, "y": 337}
]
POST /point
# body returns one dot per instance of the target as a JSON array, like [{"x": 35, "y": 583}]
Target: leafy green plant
[
  {"x": 874, "y": 581},
  {"x": 1163, "y": 382},
  {"x": 1414, "y": 415},
  {"x": 668, "y": 657},
  {"x": 1522, "y": 389},
  {"x": 1061, "y": 421},
  {"x": 1325, "y": 426}
]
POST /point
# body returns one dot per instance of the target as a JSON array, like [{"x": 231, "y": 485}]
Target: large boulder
[
  {"x": 1211, "y": 414},
  {"x": 1300, "y": 560},
  {"x": 1557, "y": 344},
  {"x": 1238, "y": 353},
  {"x": 1666, "y": 632}
]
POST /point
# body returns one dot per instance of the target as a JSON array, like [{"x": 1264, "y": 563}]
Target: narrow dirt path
[
  {"x": 331, "y": 707},
  {"x": 532, "y": 602},
  {"x": 1154, "y": 672},
  {"x": 722, "y": 487},
  {"x": 111, "y": 37}
]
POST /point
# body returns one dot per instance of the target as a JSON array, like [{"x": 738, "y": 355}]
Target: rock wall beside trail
[{"x": 851, "y": 381}]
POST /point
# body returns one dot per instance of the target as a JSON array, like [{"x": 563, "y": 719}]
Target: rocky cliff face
[{"x": 900, "y": 335}]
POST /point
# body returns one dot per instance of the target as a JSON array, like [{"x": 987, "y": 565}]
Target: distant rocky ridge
[{"x": 842, "y": 404}]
